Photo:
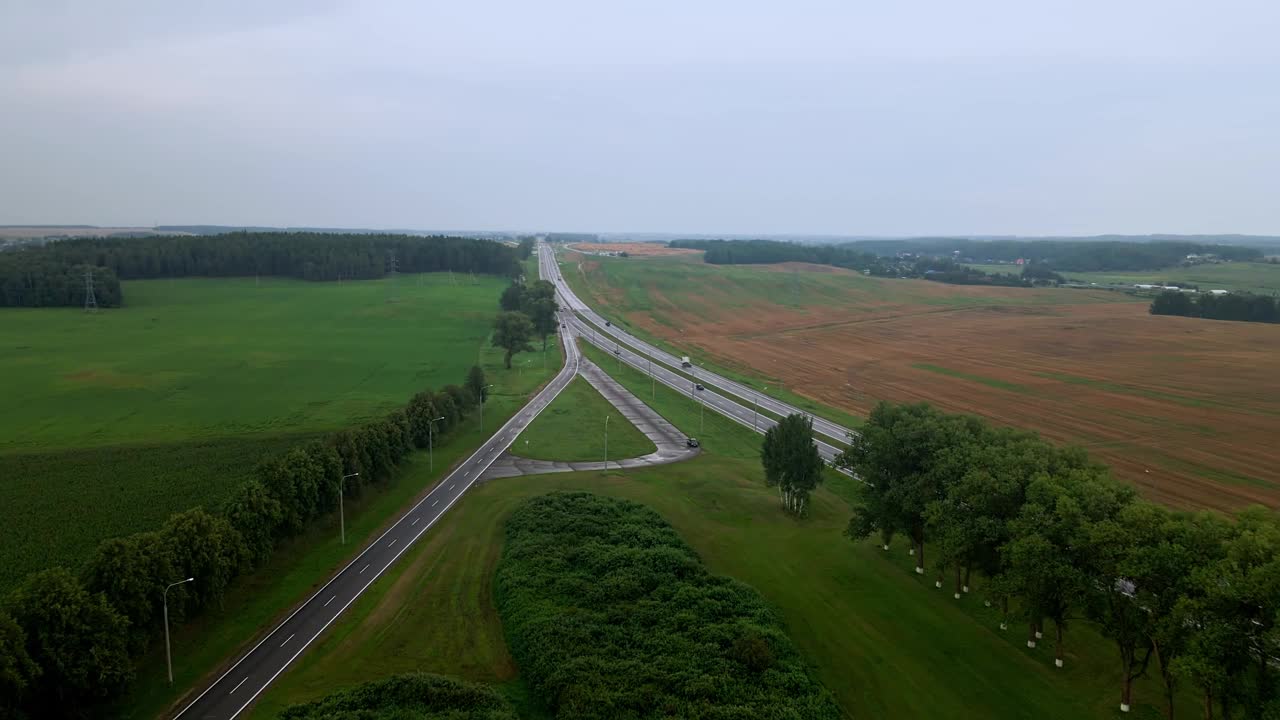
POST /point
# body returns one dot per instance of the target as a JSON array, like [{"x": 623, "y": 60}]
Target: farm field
[
  {"x": 1261, "y": 278},
  {"x": 640, "y": 249},
  {"x": 124, "y": 416},
  {"x": 1183, "y": 408},
  {"x": 881, "y": 638},
  {"x": 571, "y": 428}
]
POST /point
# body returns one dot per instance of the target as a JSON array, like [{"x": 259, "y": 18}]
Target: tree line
[
  {"x": 1191, "y": 597},
  {"x": 609, "y": 614},
  {"x": 69, "y": 641},
  {"x": 768, "y": 252},
  {"x": 528, "y": 311},
  {"x": 411, "y": 696},
  {"x": 1241, "y": 307},
  {"x": 52, "y": 274}
]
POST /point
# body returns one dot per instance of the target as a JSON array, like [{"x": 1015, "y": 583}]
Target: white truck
[{"x": 685, "y": 363}]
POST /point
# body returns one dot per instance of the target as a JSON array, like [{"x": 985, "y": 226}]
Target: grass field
[
  {"x": 1262, "y": 278},
  {"x": 881, "y": 638},
  {"x": 571, "y": 428},
  {"x": 304, "y": 563},
  {"x": 1183, "y": 408},
  {"x": 119, "y": 418}
]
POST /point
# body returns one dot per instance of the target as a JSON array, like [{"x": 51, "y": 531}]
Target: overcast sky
[{"x": 843, "y": 117}]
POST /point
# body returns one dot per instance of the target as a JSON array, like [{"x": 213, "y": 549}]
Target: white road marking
[
  {"x": 393, "y": 542},
  {"x": 415, "y": 522},
  {"x": 452, "y": 486},
  {"x": 237, "y": 687},
  {"x": 366, "y": 567},
  {"x": 433, "y": 502},
  {"x": 326, "y": 602},
  {"x": 286, "y": 640}
]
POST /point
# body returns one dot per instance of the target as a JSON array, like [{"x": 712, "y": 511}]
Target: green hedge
[{"x": 415, "y": 696}]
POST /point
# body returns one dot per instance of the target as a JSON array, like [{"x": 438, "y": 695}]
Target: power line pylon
[
  {"x": 392, "y": 267},
  {"x": 90, "y": 300}
]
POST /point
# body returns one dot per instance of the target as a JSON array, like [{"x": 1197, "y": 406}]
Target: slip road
[{"x": 230, "y": 694}]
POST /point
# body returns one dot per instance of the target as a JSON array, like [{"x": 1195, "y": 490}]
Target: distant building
[{"x": 1219, "y": 292}]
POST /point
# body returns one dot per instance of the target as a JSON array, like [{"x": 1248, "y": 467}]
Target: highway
[
  {"x": 231, "y": 693},
  {"x": 550, "y": 269}
]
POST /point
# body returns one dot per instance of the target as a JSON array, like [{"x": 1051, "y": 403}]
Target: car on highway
[
  {"x": 691, "y": 442},
  {"x": 616, "y": 351},
  {"x": 699, "y": 387},
  {"x": 608, "y": 324}
]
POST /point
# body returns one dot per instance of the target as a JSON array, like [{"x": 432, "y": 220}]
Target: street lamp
[
  {"x": 342, "y": 513},
  {"x": 606, "y": 443},
  {"x": 653, "y": 386},
  {"x": 482, "y": 394},
  {"x": 757, "y": 412},
  {"x": 168, "y": 658},
  {"x": 431, "y": 445}
]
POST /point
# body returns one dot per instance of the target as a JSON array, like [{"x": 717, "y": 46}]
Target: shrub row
[
  {"x": 610, "y": 615},
  {"x": 69, "y": 642},
  {"x": 413, "y": 696}
]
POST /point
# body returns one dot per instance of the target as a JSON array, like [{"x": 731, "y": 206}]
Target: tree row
[
  {"x": 69, "y": 642},
  {"x": 1240, "y": 307},
  {"x": 1193, "y": 598},
  {"x": 53, "y": 274}
]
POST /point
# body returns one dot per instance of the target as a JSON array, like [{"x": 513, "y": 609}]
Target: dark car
[
  {"x": 699, "y": 387},
  {"x": 608, "y": 324},
  {"x": 691, "y": 442}
]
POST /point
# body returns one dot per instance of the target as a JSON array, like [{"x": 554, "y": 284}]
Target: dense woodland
[
  {"x": 900, "y": 257},
  {"x": 414, "y": 696},
  {"x": 53, "y": 274},
  {"x": 1193, "y": 599},
  {"x": 610, "y": 615},
  {"x": 68, "y": 642},
  {"x": 1240, "y": 307}
]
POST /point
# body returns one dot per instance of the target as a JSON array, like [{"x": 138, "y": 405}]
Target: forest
[
  {"x": 1193, "y": 599},
  {"x": 609, "y": 614},
  {"x": 1241, "y": 307},
  {"x": 413, "y": 696},
  {"x": 52, "y": 275},
  {"x": 69, "y": 642},
  {"x": 765, "y": 252}
]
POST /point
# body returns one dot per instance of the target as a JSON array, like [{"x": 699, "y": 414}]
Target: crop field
[
  {"x": 1261, "y": 278},
  {"x": 642, "y": 249},
  {"x": 116, "y": 419},
  {"x": 1184, "y": 408},
  {"x": 571, "y": 428},
  {"x": 881, "y": 638}
]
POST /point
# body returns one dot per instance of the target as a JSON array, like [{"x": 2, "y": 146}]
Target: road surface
[
  {"x": 231, "y": 693},
  {"x": 550, "y": 269}
]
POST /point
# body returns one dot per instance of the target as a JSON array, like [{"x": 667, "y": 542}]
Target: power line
[{"x": 90, "y": 300}]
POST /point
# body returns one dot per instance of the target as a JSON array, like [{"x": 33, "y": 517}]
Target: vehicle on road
[
  {"x": 691, "y": 442},
  {"x": 699, "y": 387},
  {"x": 685, "y": 363},
  {"x": 616, "y": 351},
  {"x": 608, "y": 324}
]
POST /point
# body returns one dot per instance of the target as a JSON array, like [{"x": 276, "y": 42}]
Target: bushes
[
  {"x": 610, "y": 615},
  {"x": 82, "y": 633},
  {"x": 413, "y": 696}
]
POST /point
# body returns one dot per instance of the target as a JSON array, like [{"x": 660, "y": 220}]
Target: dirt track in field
[{"x": 1187, "y": 409}]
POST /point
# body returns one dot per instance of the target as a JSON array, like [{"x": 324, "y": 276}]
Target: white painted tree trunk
[
  {"x": 1124, "y": 707},
  {"x": 937, "y": 584},
  {"x": 1057, "y": 661},
  {"x": 957, "y": 595},
  {"x": 1031, "y": 643}
]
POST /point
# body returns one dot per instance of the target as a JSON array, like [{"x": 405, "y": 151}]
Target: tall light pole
[
  {"x": 482, "y": 394},
  {"x": 606, "y": 443},
  {"x": 757, "y": 412},
  {"x": 653, "y": 386},
  {"x": 431, "y": 444},
  {"x": 342, "y": 513},
  {"x": 168, "y": 658}
]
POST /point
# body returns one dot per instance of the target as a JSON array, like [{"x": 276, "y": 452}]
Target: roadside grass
[
  {"x": 571, "y": 429},
  {"x": 301, "y": 565},
  {"x": 119, "y": 418},
  {"x": 880, "y": 637}
]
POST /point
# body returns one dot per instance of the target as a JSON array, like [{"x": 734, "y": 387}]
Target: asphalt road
[
  {"x": 230, "y": 694},
  {"x": 550, "y": 269}
]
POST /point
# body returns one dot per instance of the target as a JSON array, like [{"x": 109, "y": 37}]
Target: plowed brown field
[
  {"x": 1187, "y": 409},
  {"x": 641, "y": 249}
]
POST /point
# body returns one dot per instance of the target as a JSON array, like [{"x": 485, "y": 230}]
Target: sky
[{"x": 1046, "y": 117}]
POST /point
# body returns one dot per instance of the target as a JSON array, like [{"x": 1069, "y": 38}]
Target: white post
[
  {"x": 606, "y": 443},
  {"x": 168, "y": 657}
]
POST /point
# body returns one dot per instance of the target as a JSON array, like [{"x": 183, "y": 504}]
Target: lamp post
[
  {"x": 431, "y": 443},
  {"x": 653, "y": 387},
  {"x": 482, "y": 394},
  {"x": 606, "y": 443},
  {"x": 168, "y": 658},
  {"x": 755, "y": 416},
  {"x": 342, "y": 513}
]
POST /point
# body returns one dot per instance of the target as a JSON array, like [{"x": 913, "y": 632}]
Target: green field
[
  {"x": 571, "y": 428},
  {"x": 1261, "y": 278},
  {"x": 116, "y": 419},
  {"x": 300, "y": 565},
  {"x": 882, "y": 639}
]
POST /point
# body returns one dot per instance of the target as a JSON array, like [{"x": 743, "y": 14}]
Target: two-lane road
[{"x": 230, "y": 694}]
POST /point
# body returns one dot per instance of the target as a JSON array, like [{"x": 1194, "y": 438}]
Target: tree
[
  {"x": 79, "y": 642},
  {"x": 512, "y": 332},
  {"x": 476, "y": 383},
  {"x": 130, "y": 572},
  {"x": 17, "y": 671},
  {"x": 542, "y": 312},
  {"x": 512, "y": 298},
  {"x": 1112, "y": 592},
  {"x": 906, "y": 456},
  {"x": 206, "y": 547},
  {"x": 791, "y": 461}
]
